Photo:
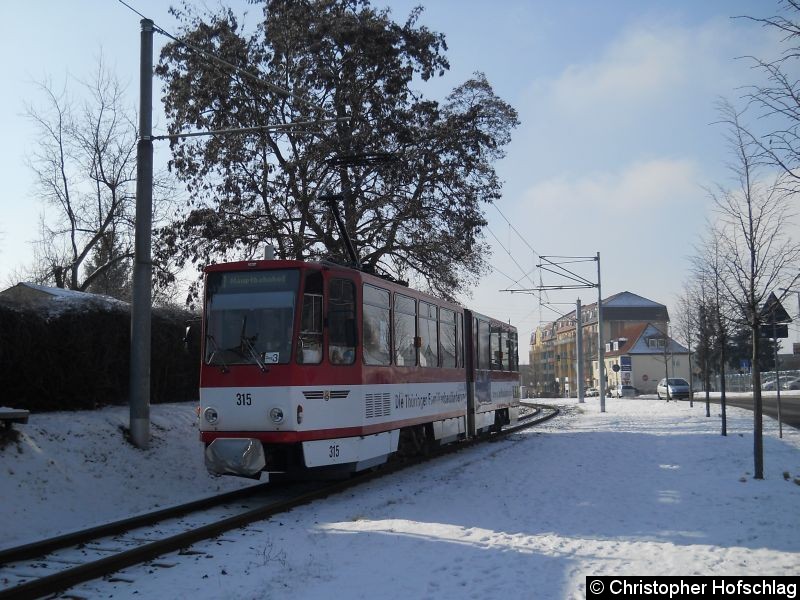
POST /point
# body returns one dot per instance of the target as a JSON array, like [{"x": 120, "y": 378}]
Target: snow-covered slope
[{"x": 645, "y": 488}]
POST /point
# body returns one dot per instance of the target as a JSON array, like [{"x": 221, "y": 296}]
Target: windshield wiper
[
  {"x": 216, "y": 349},
  {"x": 247, "y": 344}
]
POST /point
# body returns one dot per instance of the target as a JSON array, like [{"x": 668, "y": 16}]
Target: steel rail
[
  {"x": 41, "y": 547},
  {"x": 57, "y": 582}
]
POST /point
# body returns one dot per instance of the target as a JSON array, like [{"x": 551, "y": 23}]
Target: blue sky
[{"x": 616, "y": 145}]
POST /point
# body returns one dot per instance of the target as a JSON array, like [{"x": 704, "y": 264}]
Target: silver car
[{"x": 677, "y": 388}]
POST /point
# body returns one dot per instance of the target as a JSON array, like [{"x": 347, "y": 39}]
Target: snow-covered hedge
[{"x": 79, "y": 358}]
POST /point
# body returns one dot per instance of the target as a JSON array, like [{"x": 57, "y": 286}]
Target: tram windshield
[{"x": 250, "y": 317}]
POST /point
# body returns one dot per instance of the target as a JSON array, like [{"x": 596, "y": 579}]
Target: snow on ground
[
  {"x": 70, "y": 470},
  {"x": 646, "y": 488}
]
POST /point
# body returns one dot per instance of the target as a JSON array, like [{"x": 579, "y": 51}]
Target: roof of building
[
  {"x": 617, "y": 302},
  {"x": 628, "y": 300},
  {"x": 636, "y": 342},
  {"x": 631, "y": 335}
]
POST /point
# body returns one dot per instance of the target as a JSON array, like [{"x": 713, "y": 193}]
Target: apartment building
[{"x": 630, "y": 323}]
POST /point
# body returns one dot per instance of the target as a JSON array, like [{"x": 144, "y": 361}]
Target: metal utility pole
[
  {"x": 579, "y": 282},
  {"x": 141, "y": 305},
  {"x": 579, "y": 348},
  {"x": 666, "y": 362},
  {"x": 777, "y": 372},
  {"x": 601, "y": 345}
]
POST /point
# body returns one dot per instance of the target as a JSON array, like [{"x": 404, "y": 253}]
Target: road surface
[{"x": 790, "y": 404}]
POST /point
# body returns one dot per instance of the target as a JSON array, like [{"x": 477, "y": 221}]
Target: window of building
[
  {"x": 405, "y": 318},
  {"x": 377, "y": 348}
]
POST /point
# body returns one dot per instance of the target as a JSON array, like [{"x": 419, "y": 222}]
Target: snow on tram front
[{"x": 312, "y": 366}]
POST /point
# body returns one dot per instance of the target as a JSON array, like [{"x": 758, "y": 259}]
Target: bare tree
[
  {"x": 757, "y": 255},
  {"x": 686, "y": 327},
  {"x": 697, "y": 318},
  {"x": 705, "y": 328},
  {"x": 777, "y": 98},
  {"x": 84, "y": 165},
  {"x": 85, "y": 169},
  {"x": 719, "y": 312}
]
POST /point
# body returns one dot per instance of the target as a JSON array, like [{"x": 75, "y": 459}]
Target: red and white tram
[{"x": 319, "y": 366}]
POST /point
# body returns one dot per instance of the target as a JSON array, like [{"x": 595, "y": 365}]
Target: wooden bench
[{"x": 9, "y": 416}]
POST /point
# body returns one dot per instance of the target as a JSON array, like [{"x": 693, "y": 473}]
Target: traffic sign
[
  {"x": 778, "y": 332},
  {"x": 773, "y": 311}
]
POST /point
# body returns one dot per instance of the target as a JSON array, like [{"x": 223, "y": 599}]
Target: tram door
[{"x": 470, "y": 351}]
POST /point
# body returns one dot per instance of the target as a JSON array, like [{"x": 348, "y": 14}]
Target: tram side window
[
  {"x": 405, "y": 318},
  {"x": 484, "y": 351},
  {"x": 460, "y": 340},
  {"x": 497, "y": 354},
  {"x": 377, "y": 350},
  {"x": 309, "y": 346},
  {"x": 513, "y": 357},
  {"x": 447, "y": 333},
  {"x": 341, "y": 322},
  {"x": 428, "y": 335},
  {"x": 503, "y": 358}
]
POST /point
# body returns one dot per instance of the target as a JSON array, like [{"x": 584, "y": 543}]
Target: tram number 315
[{"x": 333, "y": 451}]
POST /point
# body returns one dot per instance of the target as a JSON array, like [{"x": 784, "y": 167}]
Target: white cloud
[
  {"x": 638, "y": 186},
  {"x": 641, "y": 66},
  {"x": 650, "y": 92},
  {"x": 654, "y": 63}
]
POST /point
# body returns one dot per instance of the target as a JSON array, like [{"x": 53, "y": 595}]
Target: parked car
[
  {"x": 677, "y": 387},
  {"x": 769, "y": 385},
  {"x": 624, "y": 391},
  {"x": 791, "y": 384},
  {"x": 591, "y": 392}
]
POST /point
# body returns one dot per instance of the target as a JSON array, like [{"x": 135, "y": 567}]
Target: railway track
[{"x": 50, "y": 566}]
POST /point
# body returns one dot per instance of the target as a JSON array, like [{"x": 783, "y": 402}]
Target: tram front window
[{"x": 250, "y": 317}]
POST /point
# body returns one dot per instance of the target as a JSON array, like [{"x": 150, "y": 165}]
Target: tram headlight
[
  {"x": 299, "y": 414},
  {"x": 210, "y": 415},
  {"x": 276, "y": 414}
]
